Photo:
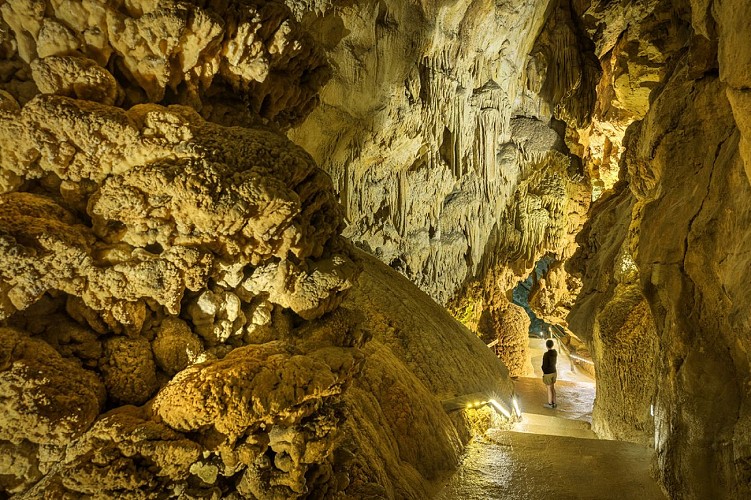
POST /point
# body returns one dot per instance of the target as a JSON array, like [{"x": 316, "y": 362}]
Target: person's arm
[{"x": 545, "y": 362}]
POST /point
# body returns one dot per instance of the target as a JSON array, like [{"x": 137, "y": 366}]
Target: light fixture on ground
[
  {"x": 516, "y": 406},
  {"x": 500, "y": 408}
]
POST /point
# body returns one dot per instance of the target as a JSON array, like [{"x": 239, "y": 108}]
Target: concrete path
[
  {"x": 508, "y": 465},
  {"x": 575, "y": 389},
  {"x": 552, "y": 453}
]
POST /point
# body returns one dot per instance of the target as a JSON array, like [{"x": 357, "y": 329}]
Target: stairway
[
  {"x": 532, "y": 423},
  {"x": 552, "y": 453},
  {"x": 519, "y": 466}
]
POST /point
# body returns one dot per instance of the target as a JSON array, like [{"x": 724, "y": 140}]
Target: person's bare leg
[{"x": 551, "y": 391}]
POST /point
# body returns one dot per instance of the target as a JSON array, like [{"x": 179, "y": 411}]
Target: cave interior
[{"x": 278, "y": 249}]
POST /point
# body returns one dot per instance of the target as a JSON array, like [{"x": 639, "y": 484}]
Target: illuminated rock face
[
  {"x": 438, "y": 140},
  {"x": 417, "y": 350},
  {"x": 437, "y": 130},
  {"x": 163, "y": 50},
  {"x": 172, "y": 271},
  {"x": 664, "y": 259},
  {"x": 485, "y": 309}
]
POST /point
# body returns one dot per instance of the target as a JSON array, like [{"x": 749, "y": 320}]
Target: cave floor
[
  {"x": 520, "y": 466},
  {"x": 575, "y": 389},
  {"x": 552, "y": 453}
]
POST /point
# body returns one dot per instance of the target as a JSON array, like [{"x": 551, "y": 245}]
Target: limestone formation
[
  {"x": 176, "y": 346},
  {"x": 169, "y": 51},
  {"x": 181, "y": 314},
  {"x": 433, "y": 130},
  {"x": 414, "y": 353},
  {"x": 564, "y": 66},
  {"x": 497, "y": 322},
  {"x": 46, "y": 399},
  {"x": 172, "y": 271},
  {"x": 510, "y": 324},
  {"x": 664, "y": 263},
  {"x": 634, "y": 41},
  {"x": 213, "y": 203},
  {"x": 553, "y": 295}
]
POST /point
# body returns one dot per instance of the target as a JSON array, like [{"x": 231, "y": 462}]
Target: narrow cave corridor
[{"x": 272, "y": 249}]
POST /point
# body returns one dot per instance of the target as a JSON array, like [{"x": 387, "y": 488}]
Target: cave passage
[
  {"x": 259, "y": 249},
  {"x": 538, "y": 327},
  {"x": 545, "y": 452}
]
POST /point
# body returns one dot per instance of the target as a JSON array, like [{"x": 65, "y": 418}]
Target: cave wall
[{"x": 673, "y": 235}]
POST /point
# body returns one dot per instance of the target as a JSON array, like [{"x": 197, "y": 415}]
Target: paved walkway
[
  {"x": 507, "y": 465},
  {"x": 552, "y": 453}
]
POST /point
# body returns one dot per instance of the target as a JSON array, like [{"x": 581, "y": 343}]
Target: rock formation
[
  {"x": 485, "y": 309},
  {"x": 436, "y": 136},
  {"x": 665, "y": 297},
  {"x": 552, "y": 295},
  {"x": 445, "y": 144},
  {"x": 182, "y": 314},
  {"x": 172, "y": 271},
  {"x": 414, "y": 354}
]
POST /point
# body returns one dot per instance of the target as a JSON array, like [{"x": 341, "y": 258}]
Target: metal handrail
[
  {"x": 571, "y": 357},
  {"x": 564, "y": 347}
]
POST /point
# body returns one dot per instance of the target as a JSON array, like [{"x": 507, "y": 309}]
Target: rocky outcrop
[
  {"x": 634, "y": 42},
  {"x": 485, "y": 310},
  {"x": 553, "y": 295},
  {"x": 161, "y": 236},
  {"x": 159, "y": 226},
  {"x": 164, "y": 52},
  {"x": 413, "y": 363}
]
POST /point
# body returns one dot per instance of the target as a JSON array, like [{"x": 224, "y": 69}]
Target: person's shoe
[
  {"x": 555, "y": 406},
  {"x": 548, "y": 405}
]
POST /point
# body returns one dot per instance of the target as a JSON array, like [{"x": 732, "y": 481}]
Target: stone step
[
  {"x": 554, "y": 426},
  {"x": 538, "y": 419},
  {"x": 508, "y": 465}
]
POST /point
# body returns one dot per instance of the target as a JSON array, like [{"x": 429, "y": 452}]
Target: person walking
[{"x": 548, "y": 372}]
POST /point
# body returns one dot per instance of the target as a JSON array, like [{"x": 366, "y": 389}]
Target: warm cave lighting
[
  {"x": 652, "y": 410},
  {"x": 516, "y": 406},
  {"x": 500, "y": 408}
]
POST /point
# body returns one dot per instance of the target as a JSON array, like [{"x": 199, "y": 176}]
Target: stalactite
[
  {"x": 572, "y": 69},
  {"x": 463, "y": 90}
]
